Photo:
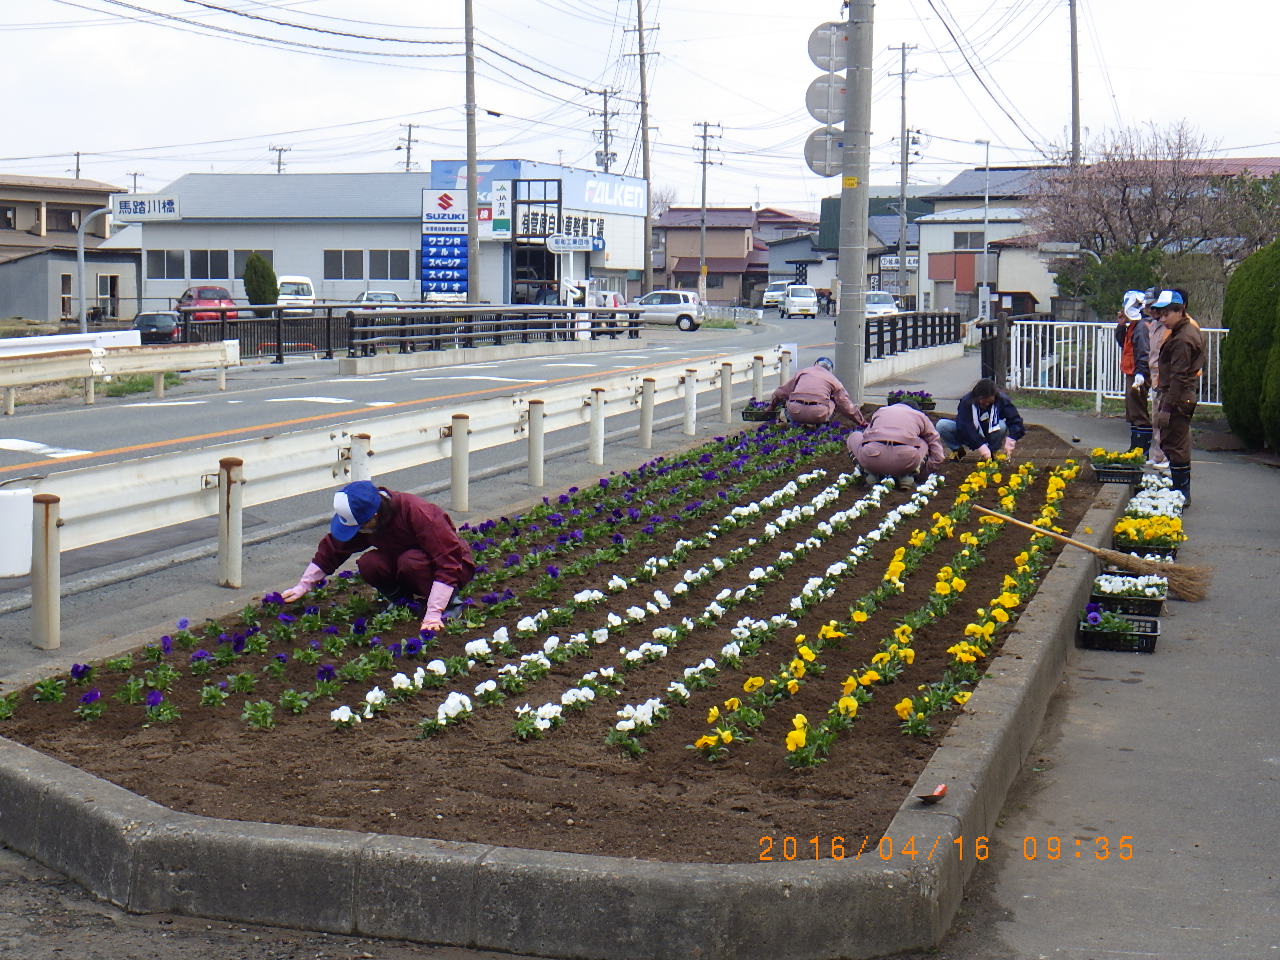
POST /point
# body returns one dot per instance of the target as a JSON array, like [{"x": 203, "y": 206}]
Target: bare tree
[{"x": 660, "y": 200}]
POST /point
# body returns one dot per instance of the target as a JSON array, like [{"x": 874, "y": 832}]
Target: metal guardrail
[
  {"x": 1083, "y": 358},
  {"x": 895, "y": 332},
  {"x": 93, "y": 362},
  {"x": 357, "y": 330}
]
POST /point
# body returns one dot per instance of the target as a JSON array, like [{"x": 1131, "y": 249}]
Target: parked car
[
  {"x": 373, "y": 299},
  {"x": 681, "y": 307},
  {"x": 880, "y": 303},
  {"x": 216, "y": 297},
  {"x": 296, "y": 297},
  {"x": 799, "y": 301},
  {"x": 159, "y": 326},
  {"x": 774, "y": 293}
]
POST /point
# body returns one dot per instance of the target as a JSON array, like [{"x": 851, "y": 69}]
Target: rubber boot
[
  {"x": 1140, "y": 437},
  {"x": 1182, "y": 481}
]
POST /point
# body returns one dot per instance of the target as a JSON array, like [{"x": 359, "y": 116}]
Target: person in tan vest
[
  {"x": 814, "y": 395},
  {"x": 899, "y": 442}
]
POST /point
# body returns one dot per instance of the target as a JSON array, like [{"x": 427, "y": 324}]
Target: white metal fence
[{"x": 1084, "y": 358}]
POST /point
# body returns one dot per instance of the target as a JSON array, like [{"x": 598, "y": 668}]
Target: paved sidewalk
[{"x": 1175, "y": 750}]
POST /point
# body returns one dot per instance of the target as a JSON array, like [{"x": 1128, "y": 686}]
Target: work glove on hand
[
  {"x": 1009, "y": 444},
  {"x": 1138, "y": 381},
  {"x": 441, "y": 594},
  {"x": 310, "y": 577},
  {"x": 983, "y": 452}
]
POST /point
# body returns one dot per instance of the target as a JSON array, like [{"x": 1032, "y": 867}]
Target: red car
[{"x": 215, "y": 297}]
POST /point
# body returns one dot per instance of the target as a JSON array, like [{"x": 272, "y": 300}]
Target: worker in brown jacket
[
  {"x": 411, "y": 548},
  {"x": 899, "y": 442},
  {"x": 1180, "y": 362},
  {"x": 814, "y": 395}
]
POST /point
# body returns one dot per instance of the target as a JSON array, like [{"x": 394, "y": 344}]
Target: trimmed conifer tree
[
  {"x": 1249, "y": 314},
  {"x": 260, "y": 283},
  {"x": 1270, "y": 406}
]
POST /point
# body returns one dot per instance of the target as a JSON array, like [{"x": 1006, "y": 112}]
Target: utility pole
[
  {"x": 135, "y": 174},
  {"x": 473, "y": 226},
  {"x": 77, "y": 164},
  {"x": 984, "y": 294},
  {"x": 902, "y": 175},
  {"x": 646, "y": 283},
  {"x": 1075, "y": 88},
  {"x": 856, "y": 161},
  {"x": 605, "y": 156},
  {"x": 406, "y": 144},
  {"x": 702, "y": 222},
  {"x": 280, "y": 152}
]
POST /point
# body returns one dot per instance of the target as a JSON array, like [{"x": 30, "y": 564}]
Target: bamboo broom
[{"x": 1188, "y": 582}]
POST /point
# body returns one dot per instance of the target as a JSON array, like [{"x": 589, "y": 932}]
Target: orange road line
[{"x": 278, "y": 424}]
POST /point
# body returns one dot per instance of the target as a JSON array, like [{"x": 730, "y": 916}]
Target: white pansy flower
[
  {"x": 401, "y": 682},
  {"x": 437, "y": 667}
]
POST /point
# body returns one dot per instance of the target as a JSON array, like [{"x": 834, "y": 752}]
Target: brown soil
[{"x": 571, "y": 791}]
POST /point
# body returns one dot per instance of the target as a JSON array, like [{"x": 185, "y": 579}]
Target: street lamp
[{"x": 984, "y": 295}]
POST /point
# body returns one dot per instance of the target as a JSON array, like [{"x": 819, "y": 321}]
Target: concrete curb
[{"x": 147, "y": 858}]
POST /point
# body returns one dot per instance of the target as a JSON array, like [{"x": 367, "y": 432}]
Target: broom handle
[{"x": 1048, "y": 533}]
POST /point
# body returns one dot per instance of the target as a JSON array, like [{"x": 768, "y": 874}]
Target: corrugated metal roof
[
  {"x": 57, "y": 183},
  {"x": 716, "y": 217},
  {"x": 300, "y": 196},
  {"x": 886, "y": 230},
  {"x": 975, "y": 215},
  {"x": 1005, "y": 182}
]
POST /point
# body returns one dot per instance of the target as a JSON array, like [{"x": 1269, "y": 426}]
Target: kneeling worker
[
  {"x": 412, "y": 548},
  {"x": 900, "y": 442},
  {"x": 814, "y": 395},
  {"x": 986, "y": 421}
]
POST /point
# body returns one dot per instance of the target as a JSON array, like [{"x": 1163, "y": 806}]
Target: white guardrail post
[
  {"x": 595, "y": 445},
  {"x": 537, "y": 432},
  {"x": 460, "y": 461},
  {"x": 757, "y": 377},
  {"x": 647, "y": 388},
  {"x": 690, "y": 402},
  {"x": 361, "y": 454},
  {"x": 46, "y": 573},
  {"x": 784, "y": 367},
  {"x": 726, "y": 392},
  {"x": 1099, "y": 343},
  {"x": 10, "y": 400},
  {"x": 231, "y": 522}
]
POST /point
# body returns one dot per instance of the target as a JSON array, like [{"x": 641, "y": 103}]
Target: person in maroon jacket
[
  {"x": 412, "y": 548},
  {"x": 900, "y": 442},
  {"x": 814, "y": 395}
]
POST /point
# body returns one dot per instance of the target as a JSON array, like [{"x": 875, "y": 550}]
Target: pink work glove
[
  {"x": 441, "y": 594},
  {"x": 310, "y": 577},
  {"x": 1009, "y": 444}
]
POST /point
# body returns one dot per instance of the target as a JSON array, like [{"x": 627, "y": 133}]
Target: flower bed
[{"x": 649, "y": 599}]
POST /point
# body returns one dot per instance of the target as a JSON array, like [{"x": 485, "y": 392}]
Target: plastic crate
[
  {"x": 1117, "y": 473},
  {"x": 761, "y": 415},
  {"x": 1142, "y": 639},
  {"x": 1143, "y": 550},
  {"x": 1141, "y": 606}
]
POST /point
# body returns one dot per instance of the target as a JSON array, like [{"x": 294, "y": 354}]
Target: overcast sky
[{"x": 165, "y": 87}]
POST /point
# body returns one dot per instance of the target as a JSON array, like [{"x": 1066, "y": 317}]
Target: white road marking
[
  {"x": 571, "y": 365},
  {"x": 165, "y": 403},
  {"x": 381, "y": 403},
  {"x": 357, "y": 380},
  {"x": 333, "y": 400},
  {"x": 498, "y": 379},
  {"x": 31, "y": 446}
]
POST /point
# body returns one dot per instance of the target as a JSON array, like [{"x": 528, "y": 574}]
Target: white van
[
  {"x": 774, "y": 292},
  {"x": 297, "y": 297},
  {"x": 799, "y": 301}
]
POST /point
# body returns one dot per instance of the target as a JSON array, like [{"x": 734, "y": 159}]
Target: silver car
[{"x": 681, "y": 307}]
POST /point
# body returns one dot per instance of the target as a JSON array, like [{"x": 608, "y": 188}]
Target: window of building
[
  {"x": 344, "y": 264},
  {"x": 164, "y": 265},
  {"x": 242, "y": 257},
  {"x": 967, "y": 240},
  {"x": 209, "y": 265},
  {"x": 63, "y": 220},
  {"x": 66, "y": 294},
  {"x": 715, "y": 281},
  {"x": 389, "y": 265},
  {"x": 8, "y": 218}
]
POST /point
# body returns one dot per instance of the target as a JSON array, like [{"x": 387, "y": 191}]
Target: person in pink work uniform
[
  {"x": 814, "y": 395},
  {"x": 412, "y": 549},
  {"x": 899, "y": 442}
]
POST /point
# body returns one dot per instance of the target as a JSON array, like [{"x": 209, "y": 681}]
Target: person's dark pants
[
  {"x": 1137, "y": 412},
  {"x": 408, "y": 575},
  {"x": 1175, "y": 440}
]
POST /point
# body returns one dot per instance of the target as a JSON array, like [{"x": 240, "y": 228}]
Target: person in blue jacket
[{"x": 986, "y": 421}]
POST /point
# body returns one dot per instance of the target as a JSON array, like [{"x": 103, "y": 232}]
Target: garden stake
[{"x": 1188, "y": 582}]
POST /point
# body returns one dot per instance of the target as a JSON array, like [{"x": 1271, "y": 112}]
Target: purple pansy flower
[
  {"x": 90, "y": 695},
  {"x": 154, "y": 698},
  {"x": 183, "y": 623},
  {"x": 79, "y": 671}
]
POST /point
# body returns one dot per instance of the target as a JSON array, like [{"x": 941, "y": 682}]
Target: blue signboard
[
  {"x": 587, "y": 190},
  {"x": 444, "y": 263}
]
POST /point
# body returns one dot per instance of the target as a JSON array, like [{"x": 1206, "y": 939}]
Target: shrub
[
  {"x": 1249, "y": 314},
  {"x": 260, "y": 283},
  {"x": 1270, "y": 406}
]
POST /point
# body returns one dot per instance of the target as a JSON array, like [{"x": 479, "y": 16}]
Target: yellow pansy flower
[
  {"x": 795, "y": 740},
  {"x": 942, "y": 588},
  {"x": 850, "y": 684},
  {"x": 797, "y": 669},
  {"x": 793, "y": 687},
  {"x": 958, "y": 585},
  {"x": 868, "y": 678},
  {"x": 908, "y": 655},
  {"x": 903, "y": 708},
  {"x": 962, "y": 697},
  {"x": 732, "y": 704},
  {"x": 800, "y": 638},
  {"x": 859, "y": 616},
  {"x": 799, "y": 721},
  {"x": 713, "y": 715},
  {"x": 880, "y": 658},
  {"x": 704, "y": 742},
  {"x": 752, "y": 684},
  {"x": 806, "y": 654},
  {"x": 1008, "y": 599},
  {"x": 847, "y": 706},
  {"x": 1000, "y": 615},
  {"x": 726, "y": 736}
]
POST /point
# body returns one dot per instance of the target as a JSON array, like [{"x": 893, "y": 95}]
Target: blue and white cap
[
  {"x": 1168, "y": 298},
  {"x": 826, "y": 363},
  {"x": 353, "y": 505}
]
